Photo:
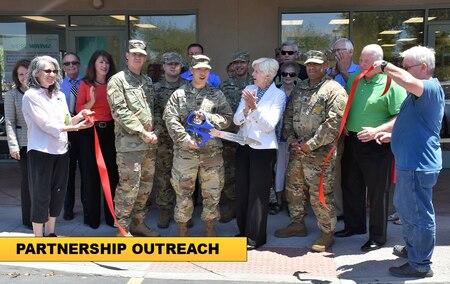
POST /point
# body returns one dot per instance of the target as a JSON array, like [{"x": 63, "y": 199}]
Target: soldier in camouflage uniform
[
  {"x": 311, "y": 125},
  {"x": 232, "y": 89},
  {"x": 190, "y": 159},
  {"x": 166, "y": 196},
  {"x": 130, "y": 96}
]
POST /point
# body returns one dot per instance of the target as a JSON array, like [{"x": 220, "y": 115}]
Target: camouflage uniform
[
  {"x": 131, "y": 100},
  {"x": 313, "y": 114},
  {"x": 232, "y": 89},
  {"x": 166, "y": 196},
  {"x": 206, "y": 161}
]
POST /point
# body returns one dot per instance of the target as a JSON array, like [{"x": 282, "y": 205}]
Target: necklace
[{"x": 98, "y": 83}]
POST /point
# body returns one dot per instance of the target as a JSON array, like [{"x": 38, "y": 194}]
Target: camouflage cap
[
  {"x": 137, "y": 46},
  {"x": 241, "y": 56},
  {"x": 200, "y": 61},
  {"x": 172, "y": 57},
  {"x": 316, "y": 56}
]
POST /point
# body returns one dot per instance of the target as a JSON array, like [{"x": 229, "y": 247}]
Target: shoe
[
  {"x": 190, "y": 223},
  {"x": 393, "y": 217},
  {"x": 52, "y": 235},
  {"x": 164, "y": 219},
  {"x": 274, "y": 208},
  {"x": 400, "y": 251},
  {"x": 251, "y": 247},
  {"x": 68, "y": 216},
  {"x": 398, "y": 222},
  {"x": 371, "y": 245},
  {"x": 347, "y": 233},
  {"x": 294, "y": 229},
  {"x": 324, "y": 242},
  {"x": 408, "y": 271}
]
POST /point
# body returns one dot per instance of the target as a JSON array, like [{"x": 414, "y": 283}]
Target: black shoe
[
  {"x": 408, "y": 271},
  {"x": 347, "y": 233},
  {"x": 274, "y": 208},
  {"x": 52, "y": 235},
  {"x": 371, "y": 245},
  {"x": 68, "y": 216},
  {"x": 400, "y": 251},
  {"x": 251, "y": 247}
]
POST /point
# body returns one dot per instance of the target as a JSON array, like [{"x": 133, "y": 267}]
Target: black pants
[
  {"x": 47, "y": 178},
  {"x": 74, "y": 154},
  {"x": 366, "y": 166},
  {"x": 25, "y": 199},
  {"x": 91, "y": 183},
  {"x": 253, "y": 175}
]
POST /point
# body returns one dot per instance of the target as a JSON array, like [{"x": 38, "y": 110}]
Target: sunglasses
[
  {"x": 71, "y": 63},
  {"x": 290, "y": 52},
  {"x": 290, "y": 74},
  {"x": 48, "y": 71}
]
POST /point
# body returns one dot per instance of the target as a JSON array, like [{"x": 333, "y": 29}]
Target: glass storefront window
[
  {"x": 439, "y": 15},
  {"x": 28, "y": 36},
  {"x": 314, "y": 30},
  {"x": 164, "y": 33},
  {"x": 98, "y": 21},
  {"x": 395, "y": 31}
]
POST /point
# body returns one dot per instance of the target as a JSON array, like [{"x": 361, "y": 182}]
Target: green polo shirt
[{"x": 369, "y": 108}]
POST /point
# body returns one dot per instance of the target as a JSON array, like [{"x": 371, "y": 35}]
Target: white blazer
[{"x": 260, "y": 123}]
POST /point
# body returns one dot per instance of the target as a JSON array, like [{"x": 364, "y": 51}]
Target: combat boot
[
  {"x": 139, "y": 228},
  {"x": 294, "y": 229},
  {"x": 323, "y": 243},
  {"x": 230, "y": 214},
  {"x": 190, "y": 223},
  {"x": 164, "y": 219},
  {"x": 119, "y": 234},
  {"x": 182, "y": 230},
  {"x": 210, "y": 228}
]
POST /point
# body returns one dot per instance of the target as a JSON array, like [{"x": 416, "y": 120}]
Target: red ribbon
[
  {"x": 104, "y": 176},
  {"x": 341, "y": 128}
]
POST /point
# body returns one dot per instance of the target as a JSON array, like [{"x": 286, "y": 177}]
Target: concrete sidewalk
[{"x": 279, "y": 261}]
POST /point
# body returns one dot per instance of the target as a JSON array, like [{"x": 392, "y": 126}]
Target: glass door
[
  {"x": 439, "y": 39},
  {"x": 85, "y": 41}
]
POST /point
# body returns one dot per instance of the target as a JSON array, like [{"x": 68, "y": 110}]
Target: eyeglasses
[
  {"x": 71, "y": 63},
  {"x": 48, "y": 71},
  {"x": 409, "y": 67},
  {"x": 290, "y": 52},
  {"x": 290, "y": 74},
  {"x": 338, "y": 50}
]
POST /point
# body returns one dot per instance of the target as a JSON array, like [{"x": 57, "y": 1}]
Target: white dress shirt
[
  {"x": 260, "y": 123},
  {"x": 45, "y": 119}
]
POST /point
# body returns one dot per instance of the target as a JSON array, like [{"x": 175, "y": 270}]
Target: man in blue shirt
[
  {"x": 195, "y": 49},
  {"x": 69, "y": 86},
  {"x": 343, "y": 54},
  {"x": 417, "y": 163}
]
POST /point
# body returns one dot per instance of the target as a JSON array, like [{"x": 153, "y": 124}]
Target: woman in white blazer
[
  {"x": 257, "y": 115},
  {"x": 16, "y": 131}
]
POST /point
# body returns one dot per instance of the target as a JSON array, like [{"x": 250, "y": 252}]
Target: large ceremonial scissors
[{"x": 206, "y": 131}]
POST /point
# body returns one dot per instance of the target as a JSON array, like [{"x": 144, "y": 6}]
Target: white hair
[
  {"x": 421, "y": 54},
  {"x": 267, "y": 66},
  {"x": 375, "y": 50},
  {"x": 348, "y": 43},
  {"x": 290, "y": 42}
]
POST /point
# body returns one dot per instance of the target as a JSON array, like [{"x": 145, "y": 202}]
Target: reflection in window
[
  {"x": 315, "y": 30},
  {"x": 25, "y": 37},
  {"x": 98, "y": 21},
  {"x": 441, "y": 14},
  {"x": 164, "y": 33},
  {"x": 395, "y": 31}
]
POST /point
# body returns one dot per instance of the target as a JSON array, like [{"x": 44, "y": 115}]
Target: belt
[
  {"x": 352, "y": 134},
  {"x": 101, "y": 124}
]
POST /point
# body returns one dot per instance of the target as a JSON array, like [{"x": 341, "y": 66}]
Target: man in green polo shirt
[{"x": 366, "y": 165}]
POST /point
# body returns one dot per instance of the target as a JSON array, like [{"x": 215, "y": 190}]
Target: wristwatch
[{"x": 383, "y": 65}]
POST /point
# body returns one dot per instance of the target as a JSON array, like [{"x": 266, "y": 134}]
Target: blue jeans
[{"x": 413, "y": 201}]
